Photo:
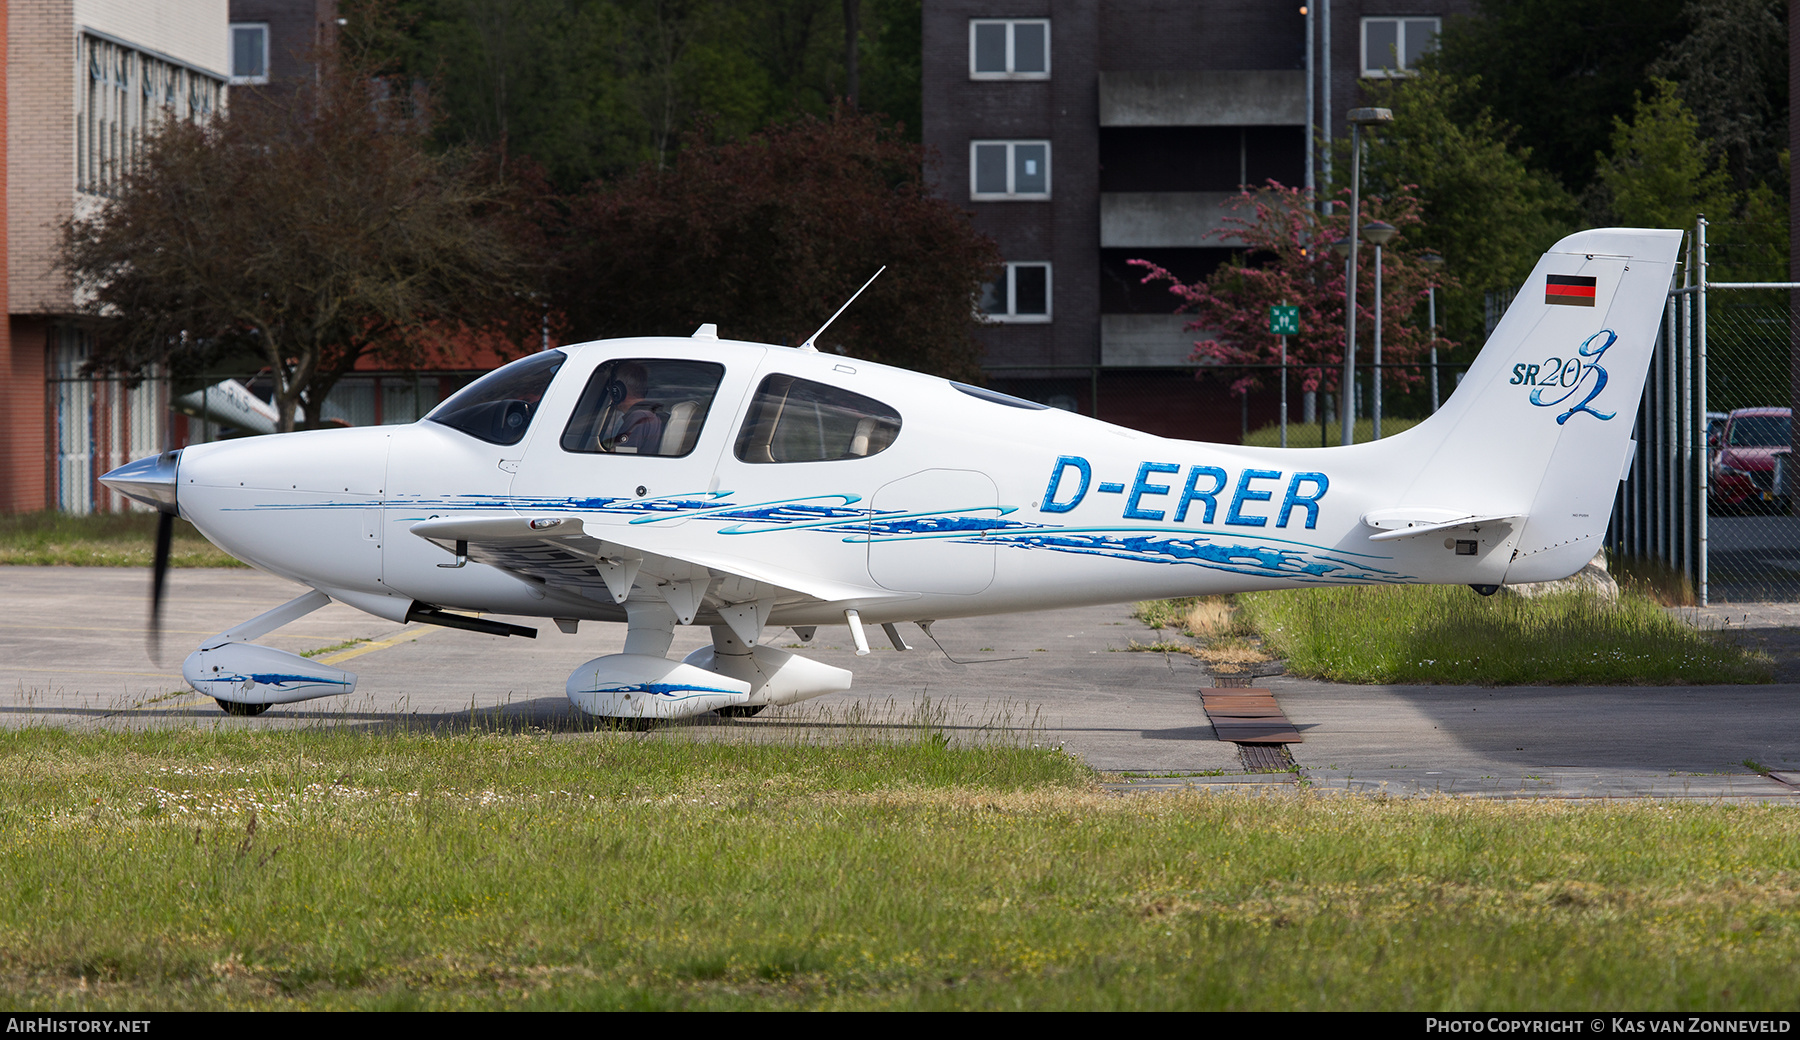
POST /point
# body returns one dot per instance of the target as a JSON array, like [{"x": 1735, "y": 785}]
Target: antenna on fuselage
[{"x": 808, "y": 345}]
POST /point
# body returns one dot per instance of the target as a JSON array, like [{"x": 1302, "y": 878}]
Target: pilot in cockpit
[{"x": 634, "y": 425}]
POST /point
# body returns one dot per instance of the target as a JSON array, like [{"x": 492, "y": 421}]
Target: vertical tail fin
[{"x": 1541, "y": 424}]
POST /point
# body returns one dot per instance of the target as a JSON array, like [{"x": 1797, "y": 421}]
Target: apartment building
[{"x": 1084, "y": 134}]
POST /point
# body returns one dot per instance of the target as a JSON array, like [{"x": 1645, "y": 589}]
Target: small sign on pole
[{"x": 1284, "y": 321}]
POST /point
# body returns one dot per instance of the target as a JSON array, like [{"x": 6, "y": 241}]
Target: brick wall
[
  {"x": 24, "y": 427},
  {"x": 1063, "y": 109},
  {"x": 296, "y": 28},
  {"x": 21, "y": 373},
  {"x": 40, "y": 120}
]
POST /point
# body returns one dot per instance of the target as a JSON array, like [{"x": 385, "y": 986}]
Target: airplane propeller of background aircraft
[{"x": 700, "y": 481}]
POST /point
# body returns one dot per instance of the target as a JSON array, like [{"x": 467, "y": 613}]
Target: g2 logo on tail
[{"x": 1559, "y": 379}]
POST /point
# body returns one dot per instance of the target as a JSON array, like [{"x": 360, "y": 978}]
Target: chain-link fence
[
  {"x": 1710, "y": 493},
  {"x": 1753, "y": 543}
]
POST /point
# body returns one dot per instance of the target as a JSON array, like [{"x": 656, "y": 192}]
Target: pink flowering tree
[{"x": 1290, "y": 261}]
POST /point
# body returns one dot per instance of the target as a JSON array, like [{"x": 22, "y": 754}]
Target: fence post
[
  {"x": 1666, "y": 537},
  {"x": 1700, "y": 396}
]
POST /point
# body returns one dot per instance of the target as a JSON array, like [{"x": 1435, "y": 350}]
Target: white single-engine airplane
[{"x": 699, "y": 481}]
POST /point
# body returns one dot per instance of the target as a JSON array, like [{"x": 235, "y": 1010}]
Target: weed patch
[{"x": 1447, "y": 634}]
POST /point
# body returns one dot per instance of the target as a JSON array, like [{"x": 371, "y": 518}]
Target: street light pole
[
  {"x": 1346, "y": 397},
  {"x": 1325, "y": 90},
  {"x": 1379, "y": 233},
  {"x": 1284, "y": 391},
  {"x": 1358, "y": 118},
  {"x": 1435, "y": 262}
]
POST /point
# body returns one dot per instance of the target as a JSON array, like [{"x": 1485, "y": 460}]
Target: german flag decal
[{"x": 1569, "y": 290}]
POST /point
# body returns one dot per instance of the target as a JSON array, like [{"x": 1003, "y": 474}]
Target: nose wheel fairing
[
  {"x": 234, "y": 671},
  {"x": 245, "y": 673}
]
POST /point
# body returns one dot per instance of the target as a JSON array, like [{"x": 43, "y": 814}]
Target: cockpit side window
[
  {"x": 498, "y": 407},
  {"x": 797, "y": 420},
  {"x": 643, "y": 406}
]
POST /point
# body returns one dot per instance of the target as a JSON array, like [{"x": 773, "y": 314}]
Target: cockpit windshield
[{"x": 498, "y": 407}]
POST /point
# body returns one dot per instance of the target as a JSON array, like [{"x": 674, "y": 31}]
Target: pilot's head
[{"x": 629, "y": 381}]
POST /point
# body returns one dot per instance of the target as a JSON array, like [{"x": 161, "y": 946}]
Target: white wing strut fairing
[{"x": 661, "y": 482}]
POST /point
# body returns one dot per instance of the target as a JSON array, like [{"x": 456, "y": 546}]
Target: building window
[
  {"x": 1023, "y": 294},
  {"x": 249, "y": 52},
  {"x": 122, "y": 94},
  {"x": 1393, "y": 46},
  {"x": 1009, "y": 169},
  {"x": 1010, "y": 49}
]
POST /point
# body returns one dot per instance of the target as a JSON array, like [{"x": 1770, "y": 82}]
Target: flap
[{"x": 559, "y": 552}]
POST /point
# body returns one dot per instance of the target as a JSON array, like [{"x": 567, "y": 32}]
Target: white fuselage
[{"x": 976, "y": 507}]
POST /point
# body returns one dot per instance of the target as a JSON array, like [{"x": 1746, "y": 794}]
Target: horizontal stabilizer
[{"x": 1410, "y": 522}]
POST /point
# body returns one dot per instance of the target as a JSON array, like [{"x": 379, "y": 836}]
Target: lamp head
[{"x": 1379, "y": 232}]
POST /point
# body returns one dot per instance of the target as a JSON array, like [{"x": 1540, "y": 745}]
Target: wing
[{"x": 559, "y": 553}]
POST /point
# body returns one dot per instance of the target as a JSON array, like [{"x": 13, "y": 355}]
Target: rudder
[{"x": 1541, "y": 425}]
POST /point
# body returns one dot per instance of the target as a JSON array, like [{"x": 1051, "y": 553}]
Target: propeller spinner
[{"x": 152, "y": 481}]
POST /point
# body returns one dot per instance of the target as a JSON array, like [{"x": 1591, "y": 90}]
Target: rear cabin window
[
  {"x": 498, "y": 407},
  {"x": 643, "y": 406},
  {"x": 797, "y": 420}
]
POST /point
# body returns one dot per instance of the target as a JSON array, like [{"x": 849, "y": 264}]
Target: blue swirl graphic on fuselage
[
  {"x": 1302, "y": 564},
  {"x": 669, "y": 690},
  {"x": 1235, "y": 551},
  {"x": 284, "y": 682}
]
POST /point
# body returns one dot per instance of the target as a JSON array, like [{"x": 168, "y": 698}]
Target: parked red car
[{"x": 1743, "y": 458}]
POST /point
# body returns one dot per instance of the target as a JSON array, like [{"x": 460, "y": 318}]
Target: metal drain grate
[
  {"x": 1248, "y": 715},
  {"x": 1231, "y": 681},
  {"x": 1267, "y": 758}
]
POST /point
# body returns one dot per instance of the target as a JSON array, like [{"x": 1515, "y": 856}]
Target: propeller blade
[{"x": 165, "y": 531}]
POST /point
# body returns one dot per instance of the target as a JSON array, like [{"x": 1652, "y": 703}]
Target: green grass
[
  {"x": 331, "y": 869},
  {"x": 101, "y": 540},
  {"x": 1306, "y": 435},
  {"x": 1448, "y": 634}
]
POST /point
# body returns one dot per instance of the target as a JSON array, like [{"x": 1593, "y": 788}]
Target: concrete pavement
[{"x": 72, "y": 654}]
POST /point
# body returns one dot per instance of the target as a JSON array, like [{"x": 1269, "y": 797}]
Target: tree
[
  {"x": 1560, "y": 70},
  {"x": 1290, "y": 261},
  {"x": 1658, "y": 174},
  {"x": 768, "y": 236},
  {"x": 1732, "y": 72},
  {"x": 1663, "y": 173},
  {"x": 591, "y": 88},
  {"x": 307, "y": 233},
  {"x": 1482, "y": 207}
]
